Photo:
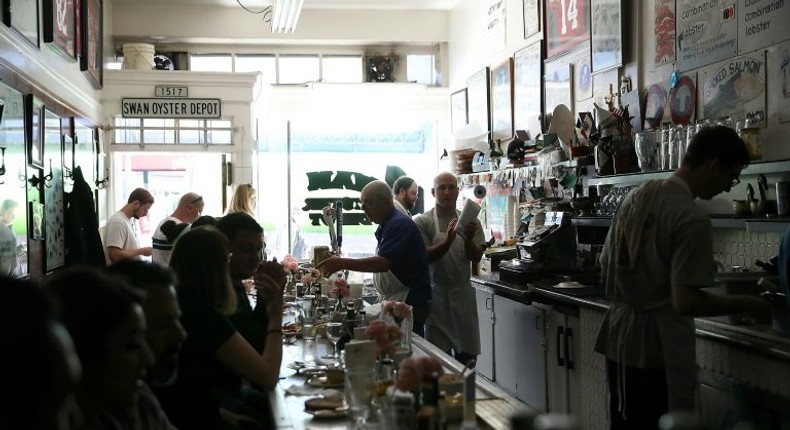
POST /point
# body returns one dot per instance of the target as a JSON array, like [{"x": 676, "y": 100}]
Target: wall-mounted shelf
[
  {"x": 752, "y": 225},
  {"x": 633, "y": 178},
  {"x": 592, "y": 221},
  {"x": 778, "y": 225}
]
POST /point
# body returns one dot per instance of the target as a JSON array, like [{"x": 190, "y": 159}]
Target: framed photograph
[
  {"x": 528, "y": 89},
  {"x": 531, "y": 17},
  {"x": 583, "y": 88},
  {"x": 606, "y": 34},
  {"x": 36, "y": 220},
  {"x": 479, "y": 100},
  {"x": 34, "y": 108},
  {"x": 459, "y": 110},
  {"x": 502, "y": 101},
  {"x": 60, "y": 24},
  {"x": 22, "y": 16},
  {"x": 567, "y": 25},
  {"x": 92, "y": 34},
  {"x": 559, "y": 89}
]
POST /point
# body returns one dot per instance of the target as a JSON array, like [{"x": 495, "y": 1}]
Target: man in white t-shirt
[
  {"x": 189, "y": 208},
  {"x": 120, "y": 237}
]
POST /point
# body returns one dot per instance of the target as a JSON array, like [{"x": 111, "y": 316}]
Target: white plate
[
  {"x": 321, "y": 382},
  {"x": 327, "y": 413}
]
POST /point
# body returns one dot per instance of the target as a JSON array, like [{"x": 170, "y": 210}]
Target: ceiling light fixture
[{"x": 285, "y": 15}]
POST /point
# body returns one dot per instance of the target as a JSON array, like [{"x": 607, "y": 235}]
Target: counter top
[
  {"x": 493, "y": 405},
  {"x": 759, "y": 338}
]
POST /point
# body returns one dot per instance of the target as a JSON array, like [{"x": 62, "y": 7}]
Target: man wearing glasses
[
  {"x": 657, "y": 256},
  {"x": 189, "y": 208}
]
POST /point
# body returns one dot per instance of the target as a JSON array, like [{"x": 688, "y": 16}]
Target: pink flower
[
  {"x": 307, "y": 279},
  {"x": 397, "y": 310},
  {"x": 384, "y": 334},
  {"x": 341, "y": 287},
  {"x": 290, "y": 264},
  {"x": 416, "y": 371}
]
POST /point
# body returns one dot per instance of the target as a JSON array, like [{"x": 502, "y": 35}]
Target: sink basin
[{"x": 744, "y": 283}]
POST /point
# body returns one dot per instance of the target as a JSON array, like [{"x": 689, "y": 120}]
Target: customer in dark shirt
[
  {"x": 400, "y": 259},
  {"x": 215, "y": 348}
]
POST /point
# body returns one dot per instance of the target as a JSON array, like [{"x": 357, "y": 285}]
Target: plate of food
[
  {"x": 325, "y": 407},
  {"x": 313, "y": 371}
]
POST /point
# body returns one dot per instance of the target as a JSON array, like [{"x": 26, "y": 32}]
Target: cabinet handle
[
  {"x": 488, "y": 303},
  {"x": 560, "y": 360},
  {"x": 568, "y": 352}
]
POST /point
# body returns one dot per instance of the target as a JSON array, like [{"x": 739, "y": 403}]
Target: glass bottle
[{"x": 385, "y": 371}]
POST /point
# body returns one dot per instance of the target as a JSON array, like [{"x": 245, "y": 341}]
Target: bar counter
[{"x": 493, "y": 405}]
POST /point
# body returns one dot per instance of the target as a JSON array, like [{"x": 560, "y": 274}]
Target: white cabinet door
[
  {"x": 573, "y": 362},
  {"x": 519, "y": 348},
  {"x": 485, "y": 315},
  {"x": 563, "y": 363}
]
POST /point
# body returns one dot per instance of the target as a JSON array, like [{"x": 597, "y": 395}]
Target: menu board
[
  {"x": 762, "y": 23},
  {"x": 707, "y": 32},
  {"x": 735, "y": 87}
]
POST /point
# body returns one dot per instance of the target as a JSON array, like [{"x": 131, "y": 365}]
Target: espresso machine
[{"x": 547, "y": 250}]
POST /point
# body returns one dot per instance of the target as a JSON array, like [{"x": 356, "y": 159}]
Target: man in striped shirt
[{"x": 189, "y": 208}]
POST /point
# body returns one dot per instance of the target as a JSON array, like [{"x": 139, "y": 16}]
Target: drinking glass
[
  {"x": 359, "y": 389},
  {"x": 334, "y": 331}
]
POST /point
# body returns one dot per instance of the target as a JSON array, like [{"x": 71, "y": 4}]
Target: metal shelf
[
  {"x": 592, "y": 221},
  {"x": 635, "y": 178},
  {"x": 767, "y": 225}
]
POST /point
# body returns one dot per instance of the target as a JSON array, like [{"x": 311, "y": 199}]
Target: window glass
[
  {"x": 420, "y": 69},
  {"x": 211, "y": 63},
  {"x": 341, "y": 69},
  {"x": 157, "y": 131},
  {"x": 266, "y": 64},
  {"x": 298, "y": 69}
]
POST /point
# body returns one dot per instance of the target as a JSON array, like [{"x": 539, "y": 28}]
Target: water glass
[
  {"x": 397, "y": 417},
  {"x": 360, "y": 384},
  {"x": 308, "y": 329}
]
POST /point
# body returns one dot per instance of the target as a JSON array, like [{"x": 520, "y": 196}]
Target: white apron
[
  {"x": 389, "y": 287},
  {"x": 453, "y": 320}
]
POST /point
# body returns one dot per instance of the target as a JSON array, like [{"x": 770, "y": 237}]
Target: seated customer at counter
[
  {"x": 657, "y": 256},
  {"x": 214, "y": 346}
]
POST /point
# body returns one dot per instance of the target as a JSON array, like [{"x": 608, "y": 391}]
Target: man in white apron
[
  {"x": 657, "y": 256},
  {"x": 400, "y": 265},
  {"x": 453, "y": 324}
]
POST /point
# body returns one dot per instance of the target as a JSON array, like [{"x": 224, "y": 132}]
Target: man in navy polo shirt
[{"x": 400, "y": 260}]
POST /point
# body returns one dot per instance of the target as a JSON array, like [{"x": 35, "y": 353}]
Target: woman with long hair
[
  {"x": 244, "y": 200},
  {"x": 215, "y": 357}
]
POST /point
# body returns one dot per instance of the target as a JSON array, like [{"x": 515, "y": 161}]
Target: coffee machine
[{"x": 547, "y": 250}]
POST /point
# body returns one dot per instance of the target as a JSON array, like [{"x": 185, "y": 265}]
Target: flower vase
[
  {"x": 404, "y": 345},
  {"x": 385, "y": 373}
]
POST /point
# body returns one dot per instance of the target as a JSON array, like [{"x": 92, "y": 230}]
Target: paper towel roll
[
  {"x": 476, "y": 192},
  {"x": 468, "y": 213}
]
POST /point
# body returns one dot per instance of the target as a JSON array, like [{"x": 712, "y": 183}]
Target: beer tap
[
  {"x": 329, "y": 220},
  {"x": 338, "y": 226}
]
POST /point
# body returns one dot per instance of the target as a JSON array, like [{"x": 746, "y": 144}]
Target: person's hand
[
  {"x": 330, "y": 265},
  {"x": 470, "y": 231},
  {"x": 270, "y": 281},
  {"x": 451, "y": 231},
  {"x": 274, "y": 270},
  {"x": 146, "y": 251}
]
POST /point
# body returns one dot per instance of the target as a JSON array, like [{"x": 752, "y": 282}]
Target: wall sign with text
[
  {"x": 707, "y": 32},
  {"x": 171, "y": 108},
  {"x": 762, "y": 23},
  {"x": 567, "y": 24}
]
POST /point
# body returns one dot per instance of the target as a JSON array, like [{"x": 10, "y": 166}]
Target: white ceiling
[{"x": 316, "y": 4}]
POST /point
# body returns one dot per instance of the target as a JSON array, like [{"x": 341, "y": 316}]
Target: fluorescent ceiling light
[{"x": 285, "y": 15}]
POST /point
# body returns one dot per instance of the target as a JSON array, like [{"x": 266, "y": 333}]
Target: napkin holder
[{"x": 361, "y": 354}]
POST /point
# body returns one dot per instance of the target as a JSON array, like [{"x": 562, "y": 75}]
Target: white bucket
[{"x": 139, "y": 56}]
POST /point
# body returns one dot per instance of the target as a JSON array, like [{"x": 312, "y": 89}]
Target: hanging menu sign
[
  {"x": 762, "y": 23},
  {"x": 707, "y": 32},
  {"x": 735, "y": 87},
  {"x": 171, "y": 108}
]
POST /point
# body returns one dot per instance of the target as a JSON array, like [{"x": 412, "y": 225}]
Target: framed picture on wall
[
  {"x": 531, "y": 17},
  {"x": 528, "y": 89},
  {"x": 502, "y": 101},
  {"x": 60, "y": 27},
  {"x": 459, "y": 113},
  {"x": 606, "y": 34},
  {"x": 92, "y": 34},
  {"x": 36, "y": 220},
  {"x": 567, "y": 25},
  {"x": 479, "y": 100},
  {"x": 559, "y": 88},
  {"x": 22, "y": 16},
  {"x": 34, "y": 108}
]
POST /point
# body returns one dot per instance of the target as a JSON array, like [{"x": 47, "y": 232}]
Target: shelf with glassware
[{"x": 752, "y": 225}]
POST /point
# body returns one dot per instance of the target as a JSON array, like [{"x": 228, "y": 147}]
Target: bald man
[
  {"x": 400, "y": 266},
  {"x": 453, "y": 324},
  {"x": 189, "y": 208}
]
